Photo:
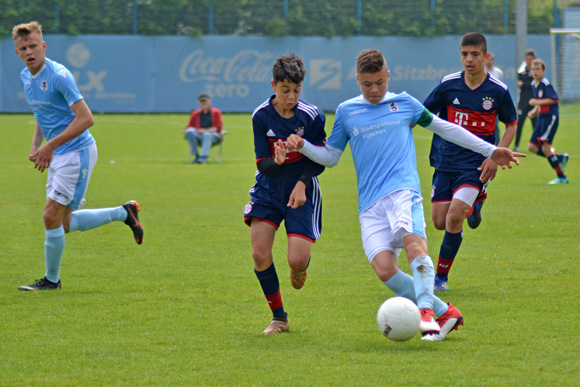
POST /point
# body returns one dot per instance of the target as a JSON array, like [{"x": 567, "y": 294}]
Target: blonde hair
[
  {"x": 25, "y": 29},
  {"x": 540, "y": 62}
]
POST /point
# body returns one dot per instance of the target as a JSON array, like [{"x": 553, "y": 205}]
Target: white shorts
[
  {"x": 389, "y": 220},
  {"x": 69, "y": 175}
]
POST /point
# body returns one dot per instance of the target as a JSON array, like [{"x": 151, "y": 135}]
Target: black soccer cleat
[
  {"x": 132, "y": 220},
  {"x": 41, "y": 284}
]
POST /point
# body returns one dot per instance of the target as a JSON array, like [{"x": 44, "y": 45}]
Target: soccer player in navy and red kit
[
  {"x": 472, "y": 99},
  {"x": 545, "y": 103},
  {"x": 286, "y": 187}
]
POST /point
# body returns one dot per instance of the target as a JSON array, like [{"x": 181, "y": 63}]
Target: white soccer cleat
[{"x": 428, "y": 324}]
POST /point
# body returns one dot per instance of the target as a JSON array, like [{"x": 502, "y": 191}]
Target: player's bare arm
[
  {"x": 37, "y": 139},
  {"x": 83, "y": 120},
  {"x": 489, "y": 168}
]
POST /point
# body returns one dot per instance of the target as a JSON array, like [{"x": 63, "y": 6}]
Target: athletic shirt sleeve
[
  {"x": 507, "y": 110},
  {"x": 261, "y": 143},
  {"x": 66, "y": 85},
  {"x": 338, "y": 138}
]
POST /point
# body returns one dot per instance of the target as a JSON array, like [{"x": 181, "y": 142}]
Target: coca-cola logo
[{"x": 244, "y": 66}]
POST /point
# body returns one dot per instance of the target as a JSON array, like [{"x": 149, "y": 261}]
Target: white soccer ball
[{"x": 399, "y": 319}]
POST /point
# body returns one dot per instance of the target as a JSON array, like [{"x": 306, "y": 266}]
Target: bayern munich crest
[
  {"x": 487, "y": 104},
  {"x": 247, "y": 208}
]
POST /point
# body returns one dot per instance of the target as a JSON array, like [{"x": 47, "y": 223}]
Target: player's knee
[
  {"x": 532, "y": 148},
  {"x": 439, "y": 224}
]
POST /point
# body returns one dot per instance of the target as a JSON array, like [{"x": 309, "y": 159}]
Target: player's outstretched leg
[
  {"x": 41, "y": 284},
  {"x": 132, "y": 220}
]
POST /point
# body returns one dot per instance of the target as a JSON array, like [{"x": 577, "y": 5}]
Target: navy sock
[
  {"x": 271, "y": 288},
  {"x": 448, "y": 251},
  {"x": 541, "y": 153}
]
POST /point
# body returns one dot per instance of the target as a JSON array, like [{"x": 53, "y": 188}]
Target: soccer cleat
[
  {"x": 41, "y": 284},
  {"x": 449, "y": 321},
  {"x": 474, "y": 219},
  {"x": 559, "y": 180},
  {"x": 298, "y": 278},
  {"x": 277, "y": 326},
  {"x": 564, "y": 162},
  {"x": 428, "y": 324},
  {"x": 132, "y": 220},
  {"x": 441, "y": 284}
]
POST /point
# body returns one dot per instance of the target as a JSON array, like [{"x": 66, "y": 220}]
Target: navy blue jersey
[
  {"x": 269, "y": 127},
  {"x": 475, "y": 110},
  {"x": 544, "y": 89}
]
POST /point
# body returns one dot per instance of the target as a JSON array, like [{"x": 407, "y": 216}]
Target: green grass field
[{"x": 185, "y": 308}]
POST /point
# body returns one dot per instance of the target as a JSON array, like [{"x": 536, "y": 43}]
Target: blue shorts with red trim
[
  {"x": 545, "y": 129},
  {"x": 304, "y": 221},
  {"x": 445, "y": 184}
]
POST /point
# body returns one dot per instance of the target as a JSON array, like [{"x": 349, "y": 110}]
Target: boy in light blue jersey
[
  {"x": 69, "y": 154},
  {"x": 378, "y": 125}
]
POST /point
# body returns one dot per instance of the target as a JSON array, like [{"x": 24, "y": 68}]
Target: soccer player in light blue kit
[
  {"x": 70, "y": 153},
  {"x": 378, "y": 125}
]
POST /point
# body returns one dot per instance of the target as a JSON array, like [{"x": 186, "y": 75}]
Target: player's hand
[
  {"x": 280, "y": 152},
  {"x": 42, "y": 157},
  {"x": 294, "y": 143},
  {"x": 488, "y": 170},
  {"x": 298, "y": 196},
  {"x": 504, "y": 157},
  {"x": 533, "y": 102},
  {"x": 532, "y": 113}
]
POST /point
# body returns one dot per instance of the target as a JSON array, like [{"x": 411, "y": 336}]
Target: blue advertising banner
[{"x": 167, "y": 73}]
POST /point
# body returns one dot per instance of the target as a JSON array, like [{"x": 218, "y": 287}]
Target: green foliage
[
  {"x": 185, "y": 307},
  {"x": 266, "y": 17}
]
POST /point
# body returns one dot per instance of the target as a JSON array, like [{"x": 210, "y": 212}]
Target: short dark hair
[
  {"x": 203, "y": 96},
  {"x": 531, "y": 53},
  {"x": 288, "y": 67},
  {"x": 474, "y": 39},
  {"x": 370, "y": 61}
]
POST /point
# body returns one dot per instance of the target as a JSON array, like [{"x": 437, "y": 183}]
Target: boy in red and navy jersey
[
  {"x": 472, "y": 99},
  {"x": 545, "y": 104},
  {"x": 286, "y": 187}
]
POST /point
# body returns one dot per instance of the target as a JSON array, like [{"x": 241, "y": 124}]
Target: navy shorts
[
  {"x": 445, "y": 184},
  {"x": 545, "y": 129},
  {"x": 304, "y": 221}
]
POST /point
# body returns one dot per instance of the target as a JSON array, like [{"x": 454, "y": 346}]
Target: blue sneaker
[
  {"x": 441, "y": 284},
  {"x": 564, "y": 161},
  {"x": 559, "y": 180},
  {"x": 474, "y": 219}
]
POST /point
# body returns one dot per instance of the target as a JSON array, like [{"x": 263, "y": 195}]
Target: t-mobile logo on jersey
[{"x": 461, "y": 118}]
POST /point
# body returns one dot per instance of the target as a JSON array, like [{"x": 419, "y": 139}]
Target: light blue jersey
[
  {"x": 382, "y": 144},
  {"x": 50, "y": 93}
]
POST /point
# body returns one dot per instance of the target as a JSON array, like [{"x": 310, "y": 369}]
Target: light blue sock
[
  {"x": 402, "y": 285},
  {"x": 423, "y": 278},
  {"x": 84, "y": 220},
  {"x": 53, "y": 248}
]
